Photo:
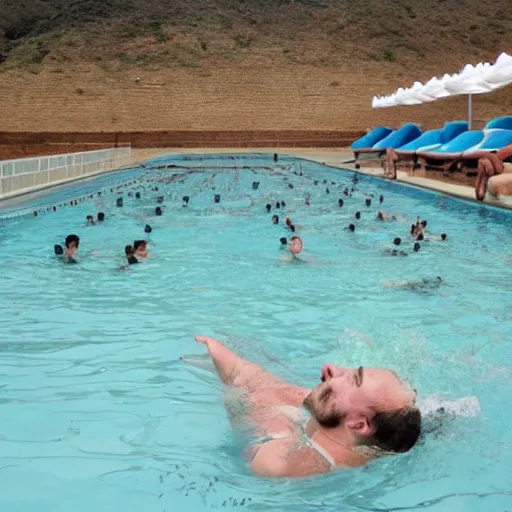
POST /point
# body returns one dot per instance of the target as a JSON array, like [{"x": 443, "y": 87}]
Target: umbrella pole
[{"x": 470, "y": 110}]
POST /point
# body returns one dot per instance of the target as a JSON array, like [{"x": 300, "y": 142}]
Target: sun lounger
[
  {"x": 428, "y": 141},
  {"x": 405, "y": 134}
]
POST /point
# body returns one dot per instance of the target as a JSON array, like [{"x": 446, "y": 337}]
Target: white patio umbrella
[{"x": 477, "y": 79}]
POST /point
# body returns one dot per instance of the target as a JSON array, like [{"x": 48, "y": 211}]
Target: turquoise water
[{"x": 99, "y": 412}]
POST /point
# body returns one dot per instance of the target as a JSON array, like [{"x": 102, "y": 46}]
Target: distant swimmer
[
  {"x": 69, "y": 255},
  {"x": 421, "y": 285},
  {"x": 385, "y": 217},
  {"x": 381, "y": 199},
  {"x": 340, "y": 203},
  {"x": 283, "y": 242},
  {"x": 160, "y": 199},
  {"x": 158, "y": 211},
  {"x": 140, "y": 249},
  {"x": 276, "y": 157},
  {"x": 268, "y": 207},
  {"x": 217, "y": 198},
  {"x": 119, "y": 202},
  {"x": 255, "y": 185},
  {"x": 137, "y": 195},
  {"x": 275, "y": 219},
  {"x": 101, "y": 217},
  {"x": 393, "y": 251},
  {"x": 288, "y": 222},
  {"x": 350, "y": 228},
  {"x": 130, "y": 256},
  {"x": 358, "y": 215},
  {"x": 283, "y": 204},
  {"x": 186, "y": 199},
  {"x": 416, "y": 247},
  {"x": 368, "y": 202},
  {"x": 278, "y": 204},
  {"x": 148, "y": 229},
  {"x": 89, "y": 220},
  {"x": 351, "y": 417}
]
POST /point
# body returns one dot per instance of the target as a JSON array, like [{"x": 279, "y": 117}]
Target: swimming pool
[{"x": 98, "y": 411}]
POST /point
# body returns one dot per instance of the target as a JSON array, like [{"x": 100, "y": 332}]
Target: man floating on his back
[{"x": 350, "y": 418}]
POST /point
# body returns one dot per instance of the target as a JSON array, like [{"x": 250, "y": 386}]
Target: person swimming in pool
[
  {"x": 422, "y": 285},
  {"x": 275, "y": 219},
  {"x": 69, "y": 254},
  {"x": 383, "y": 216},
  {"x": 89, "y": 220},
  {"x": 130, "y": 255},
  {"x": 283, "y": 242},
  {"x": 350, "y": 228},
  {"x": 140, "y": 249},
  {"x": 101, "y": 217},
  {"x": 354, "y": 415}
]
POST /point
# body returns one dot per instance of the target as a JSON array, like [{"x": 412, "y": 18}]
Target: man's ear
[{"x": 358, "y": 424}]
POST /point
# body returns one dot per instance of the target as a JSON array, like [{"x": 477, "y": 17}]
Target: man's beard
[{"x": 325, "y": 416}]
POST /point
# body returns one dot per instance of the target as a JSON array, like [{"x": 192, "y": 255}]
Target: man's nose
[{"x": 330, "y": 371}]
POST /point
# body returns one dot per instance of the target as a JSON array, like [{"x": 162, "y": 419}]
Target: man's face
[{"x": 355, "y": 394}]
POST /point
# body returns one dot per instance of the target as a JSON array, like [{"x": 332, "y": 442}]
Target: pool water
[{"x": 99, "y": 412}]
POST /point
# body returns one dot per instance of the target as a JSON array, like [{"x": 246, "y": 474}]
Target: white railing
[{"x": 32, "y": 173}]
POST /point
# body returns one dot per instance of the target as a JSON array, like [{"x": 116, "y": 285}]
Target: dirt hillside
[{"x": 146, "y": 65}]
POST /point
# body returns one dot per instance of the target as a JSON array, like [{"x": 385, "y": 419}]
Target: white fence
[{"x": 27, "y": 173}]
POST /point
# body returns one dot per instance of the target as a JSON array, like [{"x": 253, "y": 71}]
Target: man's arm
[{"x": 235, "y": 371}]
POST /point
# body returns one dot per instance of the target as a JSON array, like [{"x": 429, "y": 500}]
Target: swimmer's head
[
  {"x": 315, "y": 182},
  {"x": 58, "y": 250},
  {"x": 90, "y": 220},
  {"x": 416, "y": 247},
  {"x": 101, "y": 217},
  {"x": 158, "y": 211},
  {"x": 137, "y": 195},
  {"x": 278, "y": 204},
  {"x": 283, "y": 204},
  {"x": 255, "y": 185},
  {"x": 292, "y": 228},
  {"x": 283, "y": 240},
  {"x": 380, "y": 216},
  {"x": 275, "y": 219},
  {"x": 381, "y": 199},
  {"x": 72, "y": 241},
  {"x": 290, "y": 185},
  {"x": 327, "y": 191},
  {"x": 128, "y": 250},
  {"x": 268, "y": 207},
  {"x": 186, "y": 199},
  {"x": 366, "y": 407},
  {"x": 160, "y": 199},
  {"x": 443, "y": 236},
  {"x": 351, "y": 227},
  {"x": 420, "y": 237},
  {"x": 139, "y": 244},
  {"x": 340, "y": 202},
  {"x": 438, "y": 278},
  {"x": 288, "y": 221},
  {"x": 397, "y": 241},
  {"x": 217, "y": 198},
  {"x": 346, "y": 191},
  {"x": 368, "y": 201},
  {"x": 358, "y": 215},
  {"x": 147, "y": 228},
  {"x": 119, "y": 202}
]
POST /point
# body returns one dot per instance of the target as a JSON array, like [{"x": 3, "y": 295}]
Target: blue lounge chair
[
  {"x": 403, "y": 135},
  {"x": 505, "y": 123},
  {"x": 371, "y": 138}
]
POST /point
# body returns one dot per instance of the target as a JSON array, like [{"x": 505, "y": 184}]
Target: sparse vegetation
[{"x": 389, "y": 55}]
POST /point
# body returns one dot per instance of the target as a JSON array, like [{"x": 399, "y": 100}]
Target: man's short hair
[{"x": 397, "y": 431}]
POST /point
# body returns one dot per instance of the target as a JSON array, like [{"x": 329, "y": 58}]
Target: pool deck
[
  {"x": 334, "y": 157},
  {"x": 341, "y": 158}
]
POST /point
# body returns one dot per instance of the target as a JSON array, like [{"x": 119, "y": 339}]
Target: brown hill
[{"x": 72, "y": 65}]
